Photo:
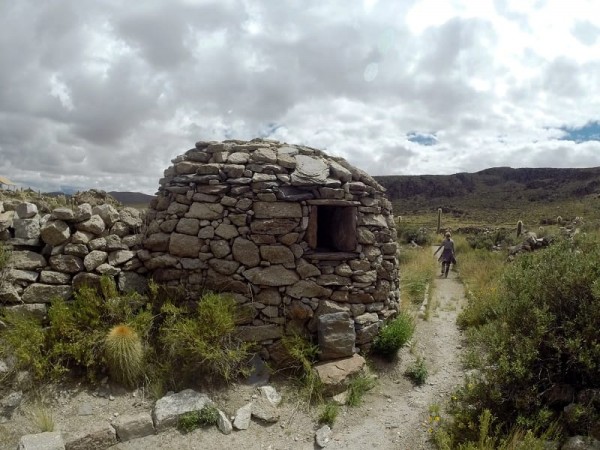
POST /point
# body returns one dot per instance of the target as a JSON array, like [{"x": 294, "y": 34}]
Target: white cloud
[{"x": 104, "y": 93}]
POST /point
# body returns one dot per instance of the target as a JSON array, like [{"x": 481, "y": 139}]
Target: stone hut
[{"x": 304, "y": 241}]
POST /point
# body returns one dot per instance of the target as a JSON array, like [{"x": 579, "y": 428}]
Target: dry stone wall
[
  {"x": 53, "y": 252},
  {"x": 304, "y": 241}
]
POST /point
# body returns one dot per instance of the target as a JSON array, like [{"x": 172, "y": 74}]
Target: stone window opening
[{"x": 332, "y": 228}]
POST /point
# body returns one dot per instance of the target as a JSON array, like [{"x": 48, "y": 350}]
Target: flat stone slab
[
  {"x": 168, "y": 409},
  {"x": 42, "y": 441}
]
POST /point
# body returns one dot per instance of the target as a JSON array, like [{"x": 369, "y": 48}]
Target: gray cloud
[{"x": 104, "y": 94}]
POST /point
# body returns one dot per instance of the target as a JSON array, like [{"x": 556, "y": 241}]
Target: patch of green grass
[
  {"x": 192, "y": 420},
  {"x": 329, "y": 413},
  {"x": 417, "y": 372},
  {"x": 358, "y": 387},
  {"x": 303, "y": 354},
  {"x": 41, "y": 416},
  {"x": 394, "y": 335}
]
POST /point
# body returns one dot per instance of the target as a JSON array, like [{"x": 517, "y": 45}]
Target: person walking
[{"x": 447, "y": 257}]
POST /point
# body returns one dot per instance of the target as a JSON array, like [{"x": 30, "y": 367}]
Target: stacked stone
[
  {"x": 68, "y": 248},
  {"x": 233, "y": 216}
]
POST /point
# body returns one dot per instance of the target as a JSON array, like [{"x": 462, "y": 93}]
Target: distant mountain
[
  {"x": 499, "y": 190},
  {"x": 132, "y": 198}
]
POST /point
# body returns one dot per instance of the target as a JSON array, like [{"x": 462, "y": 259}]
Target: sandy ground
[{"x": 394, "y": 415}]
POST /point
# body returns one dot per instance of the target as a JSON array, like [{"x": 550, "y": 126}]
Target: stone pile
[
  {"x": 249, "y": 218},
  {"x": 53, "y": 253}
]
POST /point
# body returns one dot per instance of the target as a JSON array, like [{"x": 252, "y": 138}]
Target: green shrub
[
  {"x": 303, "y": 354},
  {"x": 417, "y": 372},
  {"x": 24, "y": 340},
  {"x": 124, "y": 354},
  {"x": 542, "y": 335},
  {"x": 329, "y": 413},
  {"x": 394, "y": 335},
  {"x": 418, "y": 235},
  {"x": 73, "y": 341},
  {"x": 358, "y": 387},
  {"x": 203, "y": 341},
  {"x": 189, "y": 421}
]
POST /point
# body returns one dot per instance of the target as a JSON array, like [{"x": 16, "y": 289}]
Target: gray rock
[
  {"x": 6, "y": 220},
  {"x": 10, "y": 403},
  {"x": 133, "y": 426},
  {"x": 82, "y": 212},
  {"x": 90, "y": 280},
  {"x": 131, "y": 217},
  {"x": 132, "y": 282},
  {"x": 65, "y": 214},
  {"x": 336, "y": 335},
  {"x": 27, "y": 228},
  {"x": 36, "y": 311},
  {"x": 309, "y": 171},
  {"x": 26, "y": 260},
  {"x": 113, "y": 243},
  {"x": 223, "y": 266},
  {"x": 259, "y": 333},
  {"x": 167, "y": 410},
  {"x": 271, "y": 394},
  {"x": 94, "y": 225},
  {"x": 307, "y": 288},
  {"x": 270, "y": 297},
  {"x": 242, "y": 417},
  {"x": 44, "y": 293},
  {"x": 81, "y": 237},
  {"x": 323, "y": 436},
  {"x": 107, "y": 212},
  {"x": 223, "y": 423},
  {"x": 246, "y": 252},
  {"x": 188, "y": 226},
  {"x": 66, "y": 264},
  {"x": 265, "y": 411},
  {"x": 98, "y": 438},
  {"x": 184, "y": 245},
  {"x": 120, "y": 257},
  {"x": 107, "y": 269},
  {"x": 340, "y": 172},
  {"x": 94, "y": 259},
  {"x": 22, "y": 275},
  {"x": 121, "y": 229},
  {"x": 9, "y": 294},
  {"x": 42, "y": 441},
  {"x": 226, "y": 231},
  {"x": 219, "y": 248},
  {"x": 76, "y": 250},
  {"x": 272, "y": 210},
  {"x": 271, "y": 276},
  {"x": 157, "y": 242},
  {"x": 26, "y": 210},
  {"x": 208, "y": 211},
  {"x": 336, "y": 375},
  {"x": 277, "y": 254},
  {"x": 55, "y": 232}
]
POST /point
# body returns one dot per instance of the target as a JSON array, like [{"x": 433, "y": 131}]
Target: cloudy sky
[{"x": 104, "y": 93}]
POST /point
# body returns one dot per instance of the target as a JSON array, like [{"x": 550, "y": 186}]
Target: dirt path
[{"x": 394, "y": 415}]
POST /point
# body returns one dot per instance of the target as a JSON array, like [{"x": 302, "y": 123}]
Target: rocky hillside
[{"x": 498, "y": 188}]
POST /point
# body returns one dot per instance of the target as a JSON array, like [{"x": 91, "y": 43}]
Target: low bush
[
  {"x": 410, "y": 233},
  {"x": 74, "y": 338},
  {"x": 538, "y": 345},
  {"x": 417, "y": 372},
  {"x": 203, "y": 341},
  {"x": 394, "y": 335}
]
